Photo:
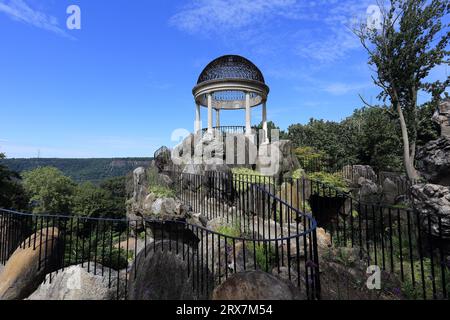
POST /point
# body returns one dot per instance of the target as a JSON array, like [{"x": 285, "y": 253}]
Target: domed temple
[{"x": 231, "y": 82}]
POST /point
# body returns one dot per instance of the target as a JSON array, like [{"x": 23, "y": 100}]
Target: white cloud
[
  {"x": 340, "y": 88},
  {"x": 20, "y": 11},
  {"x": 220, "y": 15},
  {"x": 273, "y": 28}
]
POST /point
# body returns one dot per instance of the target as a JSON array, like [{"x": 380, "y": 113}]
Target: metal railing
[
  {"x": 228, "y": 129},
  {"x": 255, "y": 230},
  {"x": 403, "y": 242}
]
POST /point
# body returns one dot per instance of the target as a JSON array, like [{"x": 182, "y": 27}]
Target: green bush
[
  {"x": 156, "y": 186},
  {"x": 265, "y": 255},
  {"x": 115, "y": 258},
  {"x": 309, "y": 153},
  {"x": 298, "y": 174},
  {"x": 333, "y": 180},
  {"x": 233, "y": 230},
  {"x": 162, "y": 192},
  {"x": 244, "y": 176}
]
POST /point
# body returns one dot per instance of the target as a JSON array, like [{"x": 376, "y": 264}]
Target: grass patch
[{"x": 265, "y": 255}]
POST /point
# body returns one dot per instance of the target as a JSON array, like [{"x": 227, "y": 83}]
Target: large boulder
[
  {"x": 369, "y": 192},
  {"x": 160, "y": 273},
  {"x": 163, "y": 159},
  {"x": 77, "y": 283},
  {"x": 13, "y": 230},
  {"x": 183, "y": 152},
  {"x": 210, "y": 148},
  {"x": 434, "y": 201},
  {"x": 256, "y": 285},
  {"x": 390, "y": 191},
  {"x": 433, "y": 161},
  {"x": 344, "y": 275},
  {"x": 277, "y": 159},
  {"x": 442, "y": 117},
  {"x": 27, "y": 267},
  {"x": 138, "y": 202},
  {"x": 353, "y": 173},
  {"x": 164, "y": 207}
]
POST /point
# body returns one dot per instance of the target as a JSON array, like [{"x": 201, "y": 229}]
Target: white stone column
[
  {"x": 198, "y": 120},
  {"x": 248, "y": 126},
  {"x": 210, "y": 114},
  {"x": 264, "y": 121},
  {"x": 217, "y": 118}
]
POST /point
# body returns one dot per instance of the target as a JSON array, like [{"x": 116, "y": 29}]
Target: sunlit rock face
[
  {"x": 432, "y": 202},
  {"x": 442, "y": 117},
  {"x": 433, "y": 160}
]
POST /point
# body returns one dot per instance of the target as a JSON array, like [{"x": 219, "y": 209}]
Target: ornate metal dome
[{"x": 231, "y": 67}]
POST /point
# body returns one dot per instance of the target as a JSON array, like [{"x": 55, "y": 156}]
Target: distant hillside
[{"x": 81, "y": 170}]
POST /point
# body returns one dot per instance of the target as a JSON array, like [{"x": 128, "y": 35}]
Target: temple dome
[{"x": 230, "y": 67}]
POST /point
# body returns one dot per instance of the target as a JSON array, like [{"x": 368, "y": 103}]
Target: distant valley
[{"x": 81, "y": 170}]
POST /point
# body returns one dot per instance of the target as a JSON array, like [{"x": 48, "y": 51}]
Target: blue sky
[{"x": 120, "y": 86}]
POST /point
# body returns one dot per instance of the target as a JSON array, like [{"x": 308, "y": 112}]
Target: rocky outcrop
[
  {"x": 277, "y": 159},
  {"x": 368, "y": 192},
  {"x": 433, "y": 201},
  {"x": 353, "y": 173},
  {"x": 163, "y": 159},
  {"x": 164, "y": 274},
  {"x": 442, "y": 117},
  {"x": 27, "y": 267},
  {"x": 390, "y": 192},
  {"x": 218, "y": 183},
  {"x": 77, "y": 283},
  {"x": 139, "y": 201},
  {"x": 433, "y": 161},
  {"x": 344, "y": 275},
  {"x": 256, "y": 285}
]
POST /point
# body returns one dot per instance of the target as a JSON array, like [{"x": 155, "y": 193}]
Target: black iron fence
[
  {"x": 411, "y": 246},
  {"x": 249, "y": 228},
  {"x": 254, "y": 223},
  {"x": 228, "y": 129}
]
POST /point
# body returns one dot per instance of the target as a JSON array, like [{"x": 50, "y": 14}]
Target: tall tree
[
  {"x": 50, "y": 191},
  {"x": 410, "y": 41},
  {"x": 12, "y": 194}
]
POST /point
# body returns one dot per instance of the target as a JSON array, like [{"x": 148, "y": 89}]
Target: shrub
[
  {"x": 156, "y": 186},
  {"x": 309, "y": 153},
  {"x": 265, "y": 255},
  {"x": 298, "y": 174},
  {"x": 244, "y": 177},
  {"x": 162, "y": 192},
  {"x": 115, "y": 258},
  {"x": 233, "y": 230},
  {"x": 333, "y": 180}
]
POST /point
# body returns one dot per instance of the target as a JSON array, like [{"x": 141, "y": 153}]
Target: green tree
[
  {"x": 410, "y": 42},
  {"x": 117, "y": 188},
  {"x": 325, "y": 136},
  {"x": 92, "y": 201},
  {"x": 49, "y": 190},
  {"x": 12, "y": 195},
  {"x": 427, "y": 130},
  {"x": 271, "y": 126},
  {"x": 371, "y": 136}
]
